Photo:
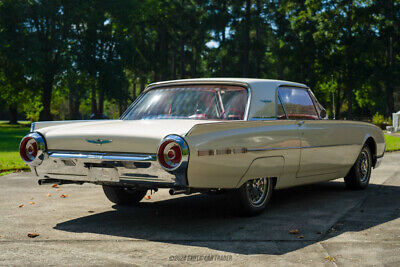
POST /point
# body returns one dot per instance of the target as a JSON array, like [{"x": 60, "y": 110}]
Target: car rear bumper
[{"x": 103, "y": 168}]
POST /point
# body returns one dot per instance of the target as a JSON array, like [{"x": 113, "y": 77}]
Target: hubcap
[
  {"x": 257, "y": 191},
  {"x": 364, "y": 166}
]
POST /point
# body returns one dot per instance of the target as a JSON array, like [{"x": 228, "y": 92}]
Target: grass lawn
[
  {"x": 10, "y": 136},
  {"x": 392, "y": 143}
]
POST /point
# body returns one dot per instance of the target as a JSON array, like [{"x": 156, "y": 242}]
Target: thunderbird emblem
[{"x": 99, "y": 141}]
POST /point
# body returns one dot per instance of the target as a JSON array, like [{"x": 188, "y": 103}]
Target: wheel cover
[
  {"x": 364, "y": 166},
  {"x": 257, "y": 191}
]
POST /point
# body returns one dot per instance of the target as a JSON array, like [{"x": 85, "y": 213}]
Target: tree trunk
[
  {"x": 222, "y": 45},
  {"x": 75, "y": 109},
  {"x": 45, "y": 114},
  {"x": 142, "y": 84},
  {"x": 13, "y": 114},
  {"x": 246, "y": 38},
  {"x": 70, "y": 104},
  {"x": 134, "y": 91},
  {"x": 349, "y": 102},
  {"x": 182, "y": 48},
  {"x": 173, "y": 66},
  {"x": 338, "y": 103},
  {"x": 182, "y": 60},
  {"x": 94, "y": 102},
  {"x": 258, "y": 39},
  {"x": 100, "y": 109},
  {"x": 389, "y": 63},
  {"x": 350, "y": 62}
]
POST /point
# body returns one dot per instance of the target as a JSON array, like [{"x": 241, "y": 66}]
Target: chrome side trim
[
  {"x": 101, "y": 156},
  {"x": 294, "y": 147},
  {"x": 273, "y": 148}
]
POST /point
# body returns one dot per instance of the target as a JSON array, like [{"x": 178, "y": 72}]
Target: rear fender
[{"x": 263, "y": 167}]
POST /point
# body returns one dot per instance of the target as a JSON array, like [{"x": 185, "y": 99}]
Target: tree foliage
[{"x": 101, "y": 52}]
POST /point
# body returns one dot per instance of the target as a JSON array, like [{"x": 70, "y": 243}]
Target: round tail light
[
  {"x": 31, "y": 148},
  {"x": 172, "y": 151}
]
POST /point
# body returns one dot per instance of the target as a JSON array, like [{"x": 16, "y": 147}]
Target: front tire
[
  {"x": 253, "y": 196},
  {"x": 124, "y": 196},
  {"x": 359, "y": 175}
]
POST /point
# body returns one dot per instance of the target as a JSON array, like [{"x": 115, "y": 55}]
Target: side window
[
  {"x": 281, "y": 112},
  {"x": 298, "y": 104}
]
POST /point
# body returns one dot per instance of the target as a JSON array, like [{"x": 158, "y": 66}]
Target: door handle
[{"x": 300, "y": 123}]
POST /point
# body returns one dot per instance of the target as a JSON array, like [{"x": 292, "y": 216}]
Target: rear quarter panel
[{"x": 261, "y": 139}]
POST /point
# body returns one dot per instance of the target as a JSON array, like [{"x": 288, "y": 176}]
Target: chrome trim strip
[
  {"x": 212, "y": 152},
  {"x": 32, "y": 127},
  {"x": 273, "y": 148},
  {"x": 295, "y": 147},
  {"x": 101, "y": 156}
]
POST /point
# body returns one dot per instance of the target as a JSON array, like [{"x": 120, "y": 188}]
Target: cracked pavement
[{"x": 336, "y": 226}]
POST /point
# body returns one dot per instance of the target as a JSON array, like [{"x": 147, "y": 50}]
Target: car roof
[{"x": 252, "y": 82}]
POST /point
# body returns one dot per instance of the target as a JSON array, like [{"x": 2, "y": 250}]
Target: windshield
[{"x": 201, "y": 102}]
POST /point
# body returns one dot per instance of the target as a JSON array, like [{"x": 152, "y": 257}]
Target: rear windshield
[{"x": 200, "y": 102}]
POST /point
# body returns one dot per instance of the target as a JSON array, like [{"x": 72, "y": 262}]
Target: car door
[{"x": 317, "y": 137}]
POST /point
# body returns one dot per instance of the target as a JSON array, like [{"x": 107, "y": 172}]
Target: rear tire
[
  {"x": 253, "y": 196},
  {"x": 123, "y": 195},
  {"x": 359, "y": 175}
]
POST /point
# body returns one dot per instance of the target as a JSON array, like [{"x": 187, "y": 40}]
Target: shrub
[{"x": 380, "y": 121}]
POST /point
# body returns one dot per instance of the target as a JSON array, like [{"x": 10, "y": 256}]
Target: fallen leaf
[
  {"x": 319, "y": 232},
  {"x": 330, "y": 258},
  {"x": 300, "y": 236},
  {"x": 31, "y": 198},
  {"x": 63, "y": 196},
  {"x": 48, "y": 195},
  {"x": 148, "y": 197},
  {"x": 91, "y": 211},
  {"x": 294, "y": 231},
  {"x": 32, "y": 203},
  {"x": 55, "y": 186},
  {"x": 58, "y": 189},
  {"x": 20, "y": 206},
  {"x": 33, "y": 235}
]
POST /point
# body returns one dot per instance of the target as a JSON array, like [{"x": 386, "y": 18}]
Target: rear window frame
[{"x": 245, "y": 86}]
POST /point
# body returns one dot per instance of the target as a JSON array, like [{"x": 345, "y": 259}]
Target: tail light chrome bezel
[
  {"x": 172, "y": 142},
  {"x": 40, "y": 146}
]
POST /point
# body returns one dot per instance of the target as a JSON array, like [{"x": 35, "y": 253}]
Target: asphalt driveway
[{"x": 77, "y": 225}]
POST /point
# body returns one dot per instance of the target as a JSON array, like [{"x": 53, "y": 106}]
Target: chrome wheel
[
  {"x": 364, "y": 166},
  {"x": 257, "y": 191}
]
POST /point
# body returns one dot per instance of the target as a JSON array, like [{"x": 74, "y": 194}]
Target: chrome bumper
[{"x": 107, "y": 168}]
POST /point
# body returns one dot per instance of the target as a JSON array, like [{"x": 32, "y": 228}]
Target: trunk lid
[{"x": 118, "y": 136}]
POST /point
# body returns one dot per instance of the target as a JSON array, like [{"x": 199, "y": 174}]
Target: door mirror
[{"x": 322, "y": 114}]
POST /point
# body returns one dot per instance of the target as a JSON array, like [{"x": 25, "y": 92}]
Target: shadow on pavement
[{"x": 318, "y": 211}]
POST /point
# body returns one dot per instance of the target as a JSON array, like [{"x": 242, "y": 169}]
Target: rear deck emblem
[{"x": 99, "y": 141}]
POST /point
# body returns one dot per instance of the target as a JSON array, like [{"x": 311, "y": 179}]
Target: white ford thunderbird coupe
[{"x": 244, "y": 137}]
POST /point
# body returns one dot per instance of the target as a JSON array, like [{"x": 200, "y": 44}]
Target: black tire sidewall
[
  {"x": 124, "y": 196},
  {"x": 354, "y": 178},
  {"x": 245, "y": 207}
]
